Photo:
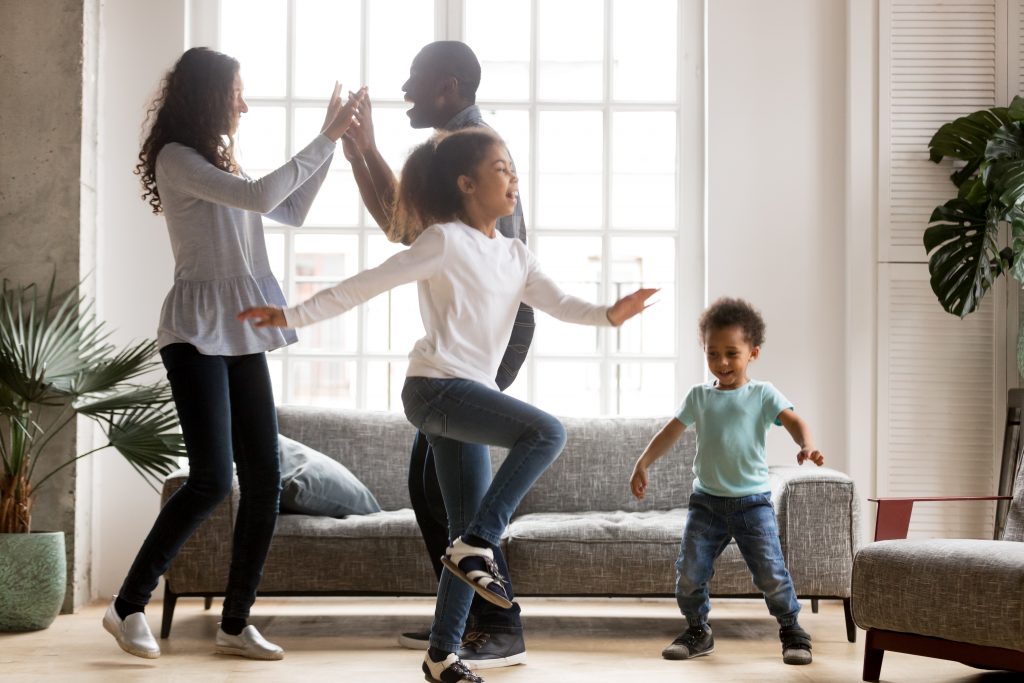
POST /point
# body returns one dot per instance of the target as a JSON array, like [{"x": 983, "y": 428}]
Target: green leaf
[
  {"x": 1005, "y": 180},
  {"x": 966, "y": 139},
  {"x": 964, "y": 254},
  {"x": 126, "y": 365},
  {"x": 146, "y": 439},
  {"x": 125, "y": 399},
  {"x": 1016, "y": 109}
]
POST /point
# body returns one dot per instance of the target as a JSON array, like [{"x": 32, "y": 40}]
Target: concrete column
[{"x": 48, "y": 52}]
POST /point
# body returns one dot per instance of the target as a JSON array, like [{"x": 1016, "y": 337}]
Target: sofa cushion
[
  {"x": 594, "y": 468},
  {"x": 381, "y": 552},
  {"x": 313, "y": 484},
  {"x": 374, "y": 446},
  {"x": 965, "y": 590},
  {"x": 553, "y": 553}
]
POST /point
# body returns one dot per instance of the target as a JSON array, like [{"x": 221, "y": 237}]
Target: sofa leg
[
  {"x": 851, "y": 628},
  {"x": 170, "y": 599},
  {"x": 872, "y": 658},
  {"x": 208, "y": 602},
  {"x": 814, "y": 605}
]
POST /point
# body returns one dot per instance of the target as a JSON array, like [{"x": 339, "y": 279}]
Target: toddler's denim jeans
[{"x": 710, "y": 524}]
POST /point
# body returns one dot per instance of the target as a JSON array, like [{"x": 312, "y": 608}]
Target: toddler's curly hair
[{"x": 727, "y": 312}]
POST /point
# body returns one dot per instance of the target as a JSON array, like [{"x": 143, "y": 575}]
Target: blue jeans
[
  {"x": 226, "y": 409},
  {"x": 460, "y": 419},
  {"x": 710, "y": 523},
  {"x": 428, "y": 504}
]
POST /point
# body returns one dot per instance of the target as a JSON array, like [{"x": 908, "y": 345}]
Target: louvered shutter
[{"x": 941, "y": 380}]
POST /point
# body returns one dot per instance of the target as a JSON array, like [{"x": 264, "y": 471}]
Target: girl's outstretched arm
[{"x": 629, "y": 305}]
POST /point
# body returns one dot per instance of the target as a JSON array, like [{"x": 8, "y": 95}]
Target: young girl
[
  {"x": 217, "y": 367},
  {"x": 731, "y": 498},
  {"x": 471, "y": 281}
]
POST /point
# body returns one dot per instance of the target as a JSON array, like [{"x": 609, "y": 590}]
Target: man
[{"x": 442, "y": 84}]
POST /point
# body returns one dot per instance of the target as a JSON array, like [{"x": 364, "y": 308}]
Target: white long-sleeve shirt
[{"x": 470, "y": 286}]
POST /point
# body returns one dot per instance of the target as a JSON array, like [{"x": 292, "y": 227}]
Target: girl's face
[
  {"x": 729, "y": 353},
  {"x": 239, "y": 106},
  {"x": 494, "y": 187}
]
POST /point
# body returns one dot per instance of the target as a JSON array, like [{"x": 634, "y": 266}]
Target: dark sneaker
[
  {"x": 481, "y": 650},
  {"x": 451, "y": 670},
  {"x": 414, "y": 640},
  {"x": 796, "y": 645},
  {"x": 476, "y": 566},
  {"x": 694, "y": 642}
]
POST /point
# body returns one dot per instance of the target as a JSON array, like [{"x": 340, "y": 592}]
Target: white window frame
[{"x": 691, "y": 197}]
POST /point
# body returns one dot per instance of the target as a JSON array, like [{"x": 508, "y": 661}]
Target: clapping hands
[{"x": 340, "y": 116}]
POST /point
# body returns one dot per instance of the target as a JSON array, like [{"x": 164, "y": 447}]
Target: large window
[{"x": 588, "y": 96}]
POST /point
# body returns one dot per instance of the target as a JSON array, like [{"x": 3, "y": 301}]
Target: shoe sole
[
  {"x": 796, "y": 660},
  {"x": 114, "y": 631},
  {"x": 480, "y": 590},
  {"x": 678, "y": 658},
  {"x": 248, "y": 654},
  {"x": 496, "y": 663},
  {"x": 413, "y": 643}
]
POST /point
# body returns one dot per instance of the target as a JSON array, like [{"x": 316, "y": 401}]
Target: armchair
[{"x": 956, "y": 599}]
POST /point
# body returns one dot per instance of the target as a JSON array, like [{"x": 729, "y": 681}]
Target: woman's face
[
  {"x": 238, "y": 105},
  {"x": 495, "y": 186}
]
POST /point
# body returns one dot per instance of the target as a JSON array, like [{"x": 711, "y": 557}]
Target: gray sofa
[{"x": 578, "y": 532}]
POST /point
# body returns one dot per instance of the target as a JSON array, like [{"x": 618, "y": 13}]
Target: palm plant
[
  {"x": 962, "y": 237},
  {"x": 56, "y": 364}
]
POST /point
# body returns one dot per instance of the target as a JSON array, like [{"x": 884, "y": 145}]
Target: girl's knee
[{"x": 551, "y": 430}]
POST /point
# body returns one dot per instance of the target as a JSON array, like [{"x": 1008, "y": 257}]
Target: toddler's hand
[
  {"x": 638, "y": 481},
  {"x": 812, "y": 454}
]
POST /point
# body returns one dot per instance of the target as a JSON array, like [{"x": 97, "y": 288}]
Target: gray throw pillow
[{"x": 315, "y": 484}]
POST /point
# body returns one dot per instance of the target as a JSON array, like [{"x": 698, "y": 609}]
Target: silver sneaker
[
  {"x": 249, "y": 643},
  {"x": 131, "y": 633}
]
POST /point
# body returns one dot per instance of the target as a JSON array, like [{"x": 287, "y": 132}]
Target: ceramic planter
[{"x": 33, "y": 572}]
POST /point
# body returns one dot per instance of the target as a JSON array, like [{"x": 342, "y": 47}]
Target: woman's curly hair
[
  {"x": 726, "y": 312},
  {"x": 428, "y": 190},
  {"x": 194, "y": 108}
]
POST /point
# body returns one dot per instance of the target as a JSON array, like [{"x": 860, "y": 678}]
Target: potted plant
[
  {"x": 56, "y": 364},
  {"x": 963, "y": 234}
]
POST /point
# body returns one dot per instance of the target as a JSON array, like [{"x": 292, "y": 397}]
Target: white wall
[
  {"x": 140, "y": 40},
  {"x": 777, "y": 212},
  {"x": 776, "y": 195}
]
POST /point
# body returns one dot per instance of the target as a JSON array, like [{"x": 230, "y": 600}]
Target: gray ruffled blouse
[{"x": 214, "y": 220}]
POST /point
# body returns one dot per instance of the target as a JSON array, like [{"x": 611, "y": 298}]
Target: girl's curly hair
[
  {"x": 194, "y": 108},
  {"x": 726, "y": 312},
  {"x": 428, "y": 190}
]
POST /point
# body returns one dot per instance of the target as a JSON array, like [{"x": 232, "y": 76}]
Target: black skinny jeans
[
  {"x": 427, "y": 504},
  {"x": 226, "y": 408}
]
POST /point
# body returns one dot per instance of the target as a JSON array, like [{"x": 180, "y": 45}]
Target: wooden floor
[{"x": 568, "y": 641}]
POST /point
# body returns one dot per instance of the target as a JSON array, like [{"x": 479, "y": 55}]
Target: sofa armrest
[
  {"x": 202, "y": 565},
  {"x": 819, "y": 518},
  {"x": 893, "y": 519}
]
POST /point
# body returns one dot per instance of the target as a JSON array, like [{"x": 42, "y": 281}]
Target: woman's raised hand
[
  {"x": 339, "y": 116},
  {"x": 264, "y": 316},
  {"x": 629, "y": 305}
]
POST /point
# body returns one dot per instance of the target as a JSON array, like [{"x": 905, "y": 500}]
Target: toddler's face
[{"x": 729, "y": 353}]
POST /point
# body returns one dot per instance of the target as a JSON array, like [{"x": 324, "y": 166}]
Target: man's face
[{"x": 423, "y": 90}]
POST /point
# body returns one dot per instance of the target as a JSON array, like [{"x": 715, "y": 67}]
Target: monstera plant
[
  {"x": 963, "y": 234},
  {"x": 55, "y": 364}
]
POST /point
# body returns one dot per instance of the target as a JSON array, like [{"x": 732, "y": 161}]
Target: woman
[
  {"x": 217, "y": 367},
  {"x": 471, "y": 279}
]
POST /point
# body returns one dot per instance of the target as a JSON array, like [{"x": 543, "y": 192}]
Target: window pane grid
[{"x": 599, "y": 200}]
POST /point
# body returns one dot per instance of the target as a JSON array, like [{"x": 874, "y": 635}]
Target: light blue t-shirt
[{"x": 731, "y": 427}]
